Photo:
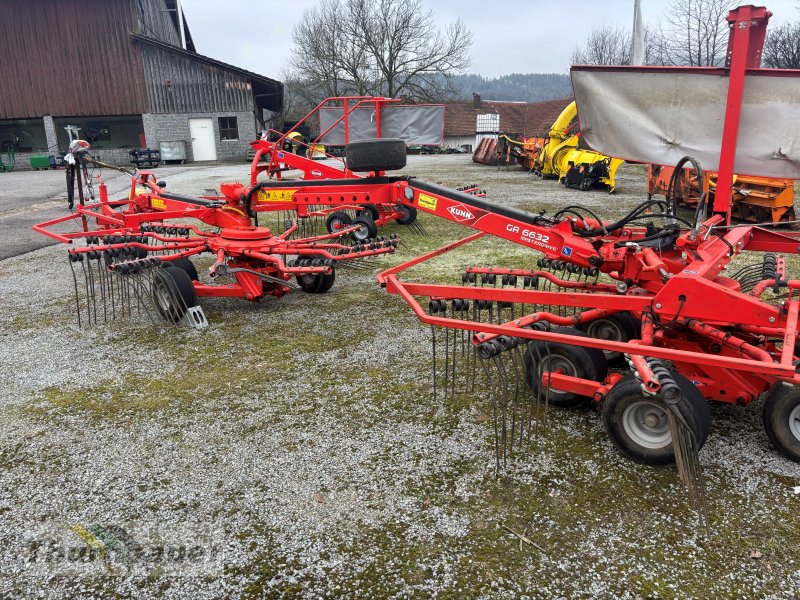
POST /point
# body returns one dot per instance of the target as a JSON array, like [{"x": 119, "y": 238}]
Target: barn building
[
  {"x": 466, "y": 123},
  {"x": 127, "y": 74}
]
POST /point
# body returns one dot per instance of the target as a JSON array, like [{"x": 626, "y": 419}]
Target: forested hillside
[{"x": 516, "y": 87}]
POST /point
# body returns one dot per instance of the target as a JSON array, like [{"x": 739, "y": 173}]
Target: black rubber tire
[
  {"x": 587, "y": 363},
  {"x": 340, "y": 217},
  {"x": 782, "y": 419},
  {"x": 376, "y": 155},
  {"x": 408, "y": 214},
  {"x": 185, "y": 264},
  {"x": 627, "y": 396},
  {"x": 367, "y": 229},
  {"x": 173, "y": 293},
  {"x": 622, "y": 326},
  {"x": 371, "y": 211},
  {"x": 316, "y": 284}
]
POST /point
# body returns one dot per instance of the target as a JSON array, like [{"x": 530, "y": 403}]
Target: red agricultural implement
[
  {"x": 278, "y": 153},
  {"x": 145, "y": 238},
  {"x": 134, "y": 255},
  {"x": 649, "y": 316}
]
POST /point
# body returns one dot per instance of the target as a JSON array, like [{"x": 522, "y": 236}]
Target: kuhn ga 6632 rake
[
  {"x": 134, "y": 255},
  {"x": 685, "y": 308}
]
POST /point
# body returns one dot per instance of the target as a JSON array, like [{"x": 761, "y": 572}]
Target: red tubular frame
[
  {"x": 251, "y": 251},
  {"x": 723, "y": 344}
]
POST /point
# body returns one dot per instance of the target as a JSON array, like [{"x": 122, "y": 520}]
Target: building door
[{"x": 203, "y": 146}]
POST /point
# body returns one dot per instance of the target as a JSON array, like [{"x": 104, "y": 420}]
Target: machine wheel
[
  {"x": 185, "y": 264},
  {"x": 577, "y": 361},
  {"x": 337, "y": 220},
  {"x": 408, "y": 214},
  {"x": 376, "y": 155},
  {"x": 371, "y": 211},
  {"x": 782, "y": 419},
  {"x": 619, "y": 327},
  {"x": 316, "y": 284},
  {"x": 366, "y": 229},
  {"x": 638, "y": 424},
  {"x": 173, "y": 293}
]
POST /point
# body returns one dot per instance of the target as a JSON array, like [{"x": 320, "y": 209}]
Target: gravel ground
[{"x": 295, "y": 448}]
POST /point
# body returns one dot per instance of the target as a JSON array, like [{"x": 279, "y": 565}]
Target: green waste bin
[{"x": 40, "y": 162}]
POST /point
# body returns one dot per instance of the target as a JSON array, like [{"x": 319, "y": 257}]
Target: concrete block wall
[
  {"x": 173, "y": 127},
  {"x": 112, "y": 156},
  {"x": 163, "y": 127},
  {"x": 22, "y": 161}
]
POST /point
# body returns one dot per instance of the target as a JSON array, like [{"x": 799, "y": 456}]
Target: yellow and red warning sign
[{"x": 276, "y": 195}]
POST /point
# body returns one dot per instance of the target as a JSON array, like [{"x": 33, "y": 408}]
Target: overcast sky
[{"x": 510, "y": 36}]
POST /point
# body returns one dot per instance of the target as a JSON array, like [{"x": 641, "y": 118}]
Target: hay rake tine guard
[{"x": 132, "y": 259}]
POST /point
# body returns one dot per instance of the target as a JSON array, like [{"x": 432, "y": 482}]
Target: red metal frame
[
  {"x": 237, "y": 244},
  {"x": 733, "y": 345},
  {"x": 281, "y": 160},
  {"x": 748, "y": 27}
]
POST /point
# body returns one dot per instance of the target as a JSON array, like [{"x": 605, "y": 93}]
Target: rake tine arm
[
  {"x": 327, "y": 236},
  {"x": 126, "y": 245},
  {"x": 581, "y": 285},
  {"x": 756, "y": 366},
  {"x": 553, "y": 319},
  {"x": 281, "y": 266}
]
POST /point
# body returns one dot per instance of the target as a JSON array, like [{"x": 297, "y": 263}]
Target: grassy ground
[{"x": 298, "y": 443}]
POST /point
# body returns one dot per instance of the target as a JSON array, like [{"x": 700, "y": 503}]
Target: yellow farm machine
[{"x": 560, "y": 156}]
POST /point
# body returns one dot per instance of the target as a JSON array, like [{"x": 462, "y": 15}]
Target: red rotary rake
[
  {"x": 135, "y": 253},
  {"x": 132, "y": 238},
  {"x": 287, "y": 152},
  {"x": 684, "y": 308}
]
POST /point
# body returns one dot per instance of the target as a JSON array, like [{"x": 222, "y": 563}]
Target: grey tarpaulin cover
[
  {"x": 418, "y": 125},
  {"x": 658, "y": 116}
]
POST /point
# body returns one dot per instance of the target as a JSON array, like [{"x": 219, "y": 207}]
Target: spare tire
[{"x": 376, "y": 155}]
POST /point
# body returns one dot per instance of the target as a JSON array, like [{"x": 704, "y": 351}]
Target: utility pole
[{"x": 637, "y": 39}]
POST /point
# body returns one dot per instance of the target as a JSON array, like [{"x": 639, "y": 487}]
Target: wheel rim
[
  {"x": 604, "y": 329},
  {"x": 794, "y": 422},
  {"x": 362, "y": 233},
  {"x": 553, "y": 363},
  {"x": 337, "y": 224},
  {"x": 163, "y": 298},
  {"x": 646, "y": 423}
]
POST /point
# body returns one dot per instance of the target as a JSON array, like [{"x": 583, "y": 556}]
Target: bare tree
[
  {"x": 377, "y": 47},
  {"x": 695, "y": 32},
  {"x": 316, "y": 56},
  {"x": 411, "y": 56},
  {"x": 608, "y": 45},
  {"x": 612, "y": 46},
  {"x": 782, "y": 47}
]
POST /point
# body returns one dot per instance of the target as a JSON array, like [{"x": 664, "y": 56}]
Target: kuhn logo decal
[{"x": 460, "y": 213}]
